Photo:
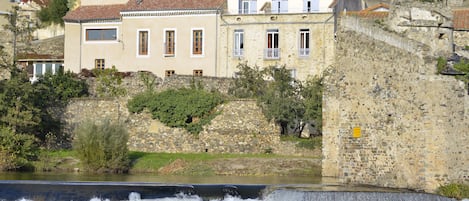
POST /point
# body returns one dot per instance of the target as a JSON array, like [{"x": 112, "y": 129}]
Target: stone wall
[
  {"x": 240, "y": 128},
  {"x": 133, "y": 83},
  {"x": 388, "y": 118},
  {"x": 461, "y": 38},
  {"x": 425, "y": 22}
]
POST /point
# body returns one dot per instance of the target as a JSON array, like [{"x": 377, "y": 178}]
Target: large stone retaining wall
[
  {"x": 388, "y": 118},
  {"x": 239, "y": 128}
]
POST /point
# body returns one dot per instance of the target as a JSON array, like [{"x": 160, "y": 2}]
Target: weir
[{"x": 104, "y": 191}]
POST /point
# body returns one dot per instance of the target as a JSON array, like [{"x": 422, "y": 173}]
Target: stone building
[
  {"x": 389, "y": 119},
  {"x": 276, "y": 34},
  {"x": 164, "y": 37},
  {"x": 204, "y": 37}
]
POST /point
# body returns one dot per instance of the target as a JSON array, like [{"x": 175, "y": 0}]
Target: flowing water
[{"x": 51, "y": 187}]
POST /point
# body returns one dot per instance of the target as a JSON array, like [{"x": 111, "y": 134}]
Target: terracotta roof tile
[
  {"x": 34, "y": 56},
  {"x": 106, "y": 12},
  {"x": 144, "y": 5},
  {"x": 461, "y": 19},
  {"x": 84, "y": 13}
]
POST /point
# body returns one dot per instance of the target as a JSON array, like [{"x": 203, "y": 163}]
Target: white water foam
[
  {"x": 134, "y": 196},
  {"x": 24, "y": 199}
]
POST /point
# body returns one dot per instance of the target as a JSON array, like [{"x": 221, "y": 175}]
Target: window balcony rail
[
  {"x": 272, "y": 53},
  {"x": 304, "y": 52},
  {"x": 241, "y": 11},
  {"x": 238, "y": 52}
]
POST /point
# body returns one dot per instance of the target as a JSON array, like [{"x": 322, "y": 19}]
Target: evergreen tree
[{"x": 54, "y": 12}]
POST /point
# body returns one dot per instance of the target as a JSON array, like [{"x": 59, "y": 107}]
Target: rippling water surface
[{"x": 77, "y": 187}]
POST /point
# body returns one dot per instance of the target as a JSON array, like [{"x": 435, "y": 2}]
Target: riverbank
[{"x": 196, "y": 164}]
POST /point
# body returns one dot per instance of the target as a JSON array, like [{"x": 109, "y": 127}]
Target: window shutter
[
  {"x": 240, "y": 6},
  {"x": 305, "y": 5},
  {"x": 315, "y": 5},
  {"x": 275, "y": 6},
  {"x": 253, "y": 6},
  {"x": 284, "y": 6}
]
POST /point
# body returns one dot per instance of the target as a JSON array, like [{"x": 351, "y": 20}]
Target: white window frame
[
  {"x": 55, "y": 67},
  {"x": 100, "y": 41},
  {"x": 192, "y": 42},
  {"x": 138, "y": 43},
  {"x": 238, "y": 37},
  {"x": 272, "y": 52},
  {"x": 304, "y": 43},
  {"x": 279, "y": 6},
  {"x": 313, "y": 6},
  {"x": 175, "y": 42},
  {"x": 250, "y": 9}
]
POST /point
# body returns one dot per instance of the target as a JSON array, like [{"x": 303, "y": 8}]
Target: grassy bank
[{"x": 193, "y": 163}]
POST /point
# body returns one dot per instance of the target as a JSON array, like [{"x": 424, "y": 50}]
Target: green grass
[
  {"x": 142, "y": 162},
  {"x": 151, "y": 162},
  {"x": 454, "y": 190},
  {"x": 307, "y": 143}
]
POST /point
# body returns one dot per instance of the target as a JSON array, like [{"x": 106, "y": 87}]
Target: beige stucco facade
[
  {"x": 255, "y": 28},
  {"x": 291, "y": 6},
  {"x": 123, "y": 52},
  {"x": 304, "y": 41}
]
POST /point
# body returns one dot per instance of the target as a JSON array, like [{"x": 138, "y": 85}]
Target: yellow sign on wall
[{"x": 356, "y": 132}]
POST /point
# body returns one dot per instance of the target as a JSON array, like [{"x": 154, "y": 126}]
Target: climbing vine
[{"x": 183, "y": 108}]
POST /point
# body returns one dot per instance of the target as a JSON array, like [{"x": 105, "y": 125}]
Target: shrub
[
  {"x": 183, "y": 108},
  {"x": 148, "y": 79},
  {"x": 16, "y": 150},
  {"x": 61, "y": 87},
  {"x": 454, "y": 190},
  {"x": 141, "y": 101},
  {"x": 109, "y": 82},
  {"x": 463, "y": 66},
  {"x": 441, "y": 65},
  {"x": 102, "y": 147}
]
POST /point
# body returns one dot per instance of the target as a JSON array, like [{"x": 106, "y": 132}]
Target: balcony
[
  {"x": 272, "y": 53},
  {"x": 303, "y": 52},
  {"x": 238, "y": 52}
]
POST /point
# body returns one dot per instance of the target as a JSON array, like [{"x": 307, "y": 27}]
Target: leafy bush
[
  {"x": 249, "y": 82},
  {"x": 441, "y": 65},
  {"x": 454, "y": 190},
  {"x": 102, "y": 147},
  {"x": 109, "y": 82},
  {"x": 283, "y": 99},
  {"x": 148, "y": 79},
  {"x": 463, "y": 66},
  {"x": 16, "y": 150},
  {"x": 141, "y": 101},
  {"x": 19, "y": 108},
  {"x": 61, "y": 87},
  {"x": 312, "y": 93},
  {"x": 183, "y": 108}
]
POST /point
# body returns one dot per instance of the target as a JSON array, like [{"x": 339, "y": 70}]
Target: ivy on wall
[{"x": 188, "y": 108}]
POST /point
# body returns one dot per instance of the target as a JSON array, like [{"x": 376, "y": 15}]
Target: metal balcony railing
[
  {"x": 238, "y": 52},
  {"x": 272, "y": 53},
  {"x": 304, "y": 52}
]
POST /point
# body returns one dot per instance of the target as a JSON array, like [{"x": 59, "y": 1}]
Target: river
[{"x": 149, "y": 187}]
